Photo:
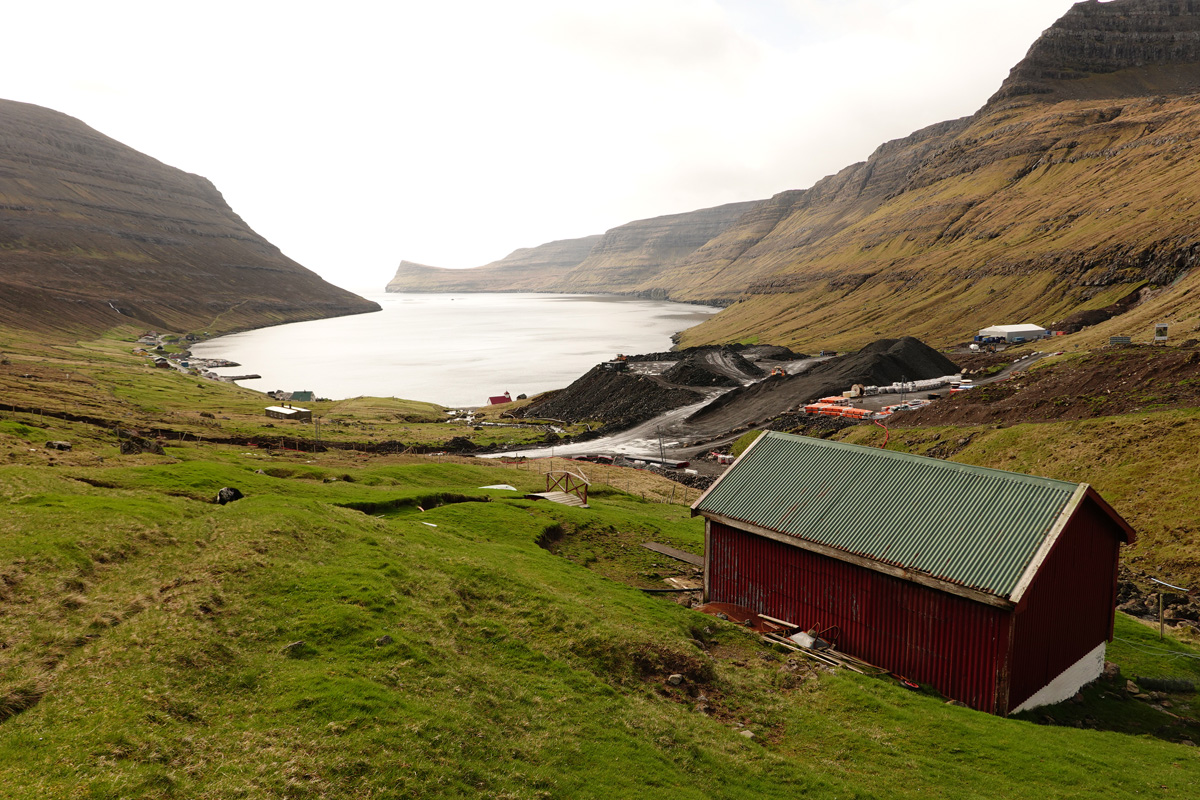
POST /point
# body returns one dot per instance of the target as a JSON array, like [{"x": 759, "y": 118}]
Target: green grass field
[
  {"x": 290, "y": 645},
  {"x": 377, "y": 626}
]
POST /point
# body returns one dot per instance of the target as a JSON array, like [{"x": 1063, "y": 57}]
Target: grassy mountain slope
[
  {"x": 1029, "y": 213},
  {"x": 1070, "y": 190},
  {"x": 95, "y": 235}
]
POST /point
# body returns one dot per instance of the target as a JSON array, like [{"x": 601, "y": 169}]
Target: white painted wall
[{"x": 1069, "y": 681}]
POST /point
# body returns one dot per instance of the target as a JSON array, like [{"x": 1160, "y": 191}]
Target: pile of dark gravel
[
  {"x": 618, "y": 399},
  {"x": 879, "y": 363},
  {"x": 696, "y": 368}
]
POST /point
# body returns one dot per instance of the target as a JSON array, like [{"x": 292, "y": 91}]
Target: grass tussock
[{"x": 22, "y": 696}]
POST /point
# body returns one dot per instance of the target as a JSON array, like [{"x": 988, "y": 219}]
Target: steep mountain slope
[
  {"x": 525, "y": 269},
  {"x": 1074, "y": 188},
  {"x": 94, "y": 234},
  {"x": 638, "y": 251},
  {"x": 613, "y": 262}
]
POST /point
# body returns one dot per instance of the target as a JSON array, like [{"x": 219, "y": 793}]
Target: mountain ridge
[
  {"x": 587, "y": 264},
  {"x": 94, "y": 234}
]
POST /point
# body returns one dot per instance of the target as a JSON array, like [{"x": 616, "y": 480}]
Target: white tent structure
[{"x": 1014, "y": 333}]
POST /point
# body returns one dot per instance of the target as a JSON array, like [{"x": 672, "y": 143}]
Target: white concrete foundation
[{"x": 1069, "y": 681}]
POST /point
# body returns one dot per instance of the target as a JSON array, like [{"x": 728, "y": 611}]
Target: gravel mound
[
  {"x": 712, "y": 367},
  {"x": 889, "y": 360},
  {"x": 881, "y": 362},
  {"x": 618, "y": 399},
  {"x": 695, "y": 372}
]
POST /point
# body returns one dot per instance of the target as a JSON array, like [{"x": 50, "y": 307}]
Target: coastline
[{"x": 455, "y": 349}]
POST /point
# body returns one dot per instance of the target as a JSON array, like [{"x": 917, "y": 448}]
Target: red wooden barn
[{"x": 993, "y": 587}]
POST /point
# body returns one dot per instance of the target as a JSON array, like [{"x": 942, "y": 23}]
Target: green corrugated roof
[{"x": 972, "y": 526}]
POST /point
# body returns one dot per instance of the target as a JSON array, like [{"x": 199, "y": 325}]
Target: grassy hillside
[
  {"x": 106, "y": 388},
  {"x": 94, "y": 234},
  {"x": 1032, "y": 212},
  {"x": 377, "y": 625},
  {"x": 288, "y": 645}
]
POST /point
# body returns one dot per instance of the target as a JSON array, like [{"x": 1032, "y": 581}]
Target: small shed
[
  {"x": 303, "y": 396},
  {"x": 996, "y": 588},
  {"x": 289, "y": 412},
  {"x": 1014, "y": 333},
  {"x": 500, "y": 399}
]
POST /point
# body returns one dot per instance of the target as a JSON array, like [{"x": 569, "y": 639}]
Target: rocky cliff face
[
  {"x": 94, "y": 234},
  {"x": 528, "y": 269},
  {"x": 1096, "y": 39},
  {"x": 637, "y": 253},
  {"x": 619, "y": 261}
]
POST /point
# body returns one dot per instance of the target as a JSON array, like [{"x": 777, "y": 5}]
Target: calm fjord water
[{"x": 453, "y": 349}]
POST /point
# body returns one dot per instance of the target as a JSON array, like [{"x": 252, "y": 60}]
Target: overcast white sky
[{"x": 356, "y": 134}]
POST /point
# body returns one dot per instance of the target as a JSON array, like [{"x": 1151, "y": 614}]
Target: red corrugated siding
[
  {"x": 953, "y": 644},
  {"x": 1068, "y": 609}
]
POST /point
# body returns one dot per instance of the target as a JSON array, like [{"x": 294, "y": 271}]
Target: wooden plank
[
  {"x": 671, "y": 552},
  {"x": 558, "y": 497}
]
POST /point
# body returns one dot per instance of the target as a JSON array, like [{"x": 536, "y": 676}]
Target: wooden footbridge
[{"x": 565, "y": 487}]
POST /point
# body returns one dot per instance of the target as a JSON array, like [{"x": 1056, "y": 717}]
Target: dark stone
[
  {"x": 132, "y": 444},
  {"x": 461, "y": 444},
  {"x": 1135, "y": 607},
  {"x": 228, "y": 494},
  {"x": 58, "y": 446}
]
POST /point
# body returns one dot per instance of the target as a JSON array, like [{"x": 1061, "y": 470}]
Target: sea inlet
[{"x": 453, "y": 349}]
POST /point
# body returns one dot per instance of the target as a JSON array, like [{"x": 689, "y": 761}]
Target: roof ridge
[{"x": 937, "y": 463}]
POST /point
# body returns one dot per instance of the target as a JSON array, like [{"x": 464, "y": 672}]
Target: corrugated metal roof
[{"x": 973, "y": 526}]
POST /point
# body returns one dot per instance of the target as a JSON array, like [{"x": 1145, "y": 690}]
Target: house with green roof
[{"x": 996, "y": 588}]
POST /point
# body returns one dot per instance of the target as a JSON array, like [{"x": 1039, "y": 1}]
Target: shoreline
[{"x": 471, "y": 345}]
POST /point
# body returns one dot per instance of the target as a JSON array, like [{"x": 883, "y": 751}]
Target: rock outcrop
[
  {"x": 636, "y": 254},
  {"x": 1096, "y": 39},
  {"x": 94, "y": 234}
]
